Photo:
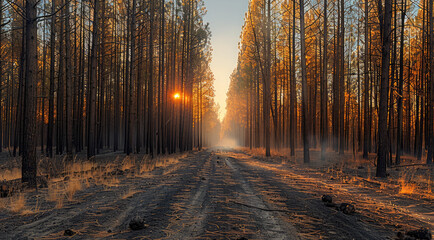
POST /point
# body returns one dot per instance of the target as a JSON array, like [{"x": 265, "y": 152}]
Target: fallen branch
[{"x": 259, "y": 208}]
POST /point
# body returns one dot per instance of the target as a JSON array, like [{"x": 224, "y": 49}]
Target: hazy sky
[{"x": 226, "y": 18}]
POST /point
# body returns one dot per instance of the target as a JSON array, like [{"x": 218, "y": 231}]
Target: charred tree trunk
[
  {"x": 385, "y": 25},
  {"x": 91, "y": 110},
  {"x": 400, "y": 86},
  {"x": 324, "y": 122},
  {"x": 29, "y": 164}
]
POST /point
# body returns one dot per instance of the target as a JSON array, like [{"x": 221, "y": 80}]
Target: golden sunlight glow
[{"x": 177, "y": 96}]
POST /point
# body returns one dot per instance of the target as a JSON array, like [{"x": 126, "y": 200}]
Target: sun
[{"x": 177, "y": 96}]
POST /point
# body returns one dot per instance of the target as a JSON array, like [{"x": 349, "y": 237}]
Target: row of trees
[
  {"x": 335, "y": 74},
  {"x": 104, "y": 75}
]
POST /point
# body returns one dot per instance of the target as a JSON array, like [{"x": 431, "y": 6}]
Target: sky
[{"x": 226, "y": 18}]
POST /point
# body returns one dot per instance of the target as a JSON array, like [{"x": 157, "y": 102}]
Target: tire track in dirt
[
  {"x": 303, "y": 206},
  {"x": 270, "y": 222},
  {"x": 160, "y": 206},
  {"x": 208, "y": 210}
]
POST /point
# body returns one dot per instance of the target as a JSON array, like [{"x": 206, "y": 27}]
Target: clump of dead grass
[
  {"x": 147, "y": 164},
  {"x": 72, "y": 187},
  {"x": 10, "y": 174},
  {"x": 407, "y": 188},
  {"x": 128, "y": 163},
  {"x": 17, "y": 203},
  {"x": 3, "y": 203},
  {"x": 55, "y": 194},
  {"x": 406, "y": 182},
  {"x": 58, "y": 192},
  {"x": 52, "y": 167}
]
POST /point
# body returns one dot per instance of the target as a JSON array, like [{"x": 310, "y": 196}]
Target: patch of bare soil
[{"x": 211, "y": 194}]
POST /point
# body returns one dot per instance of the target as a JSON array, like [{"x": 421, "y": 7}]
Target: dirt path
[{"x": 209, "y": 195}]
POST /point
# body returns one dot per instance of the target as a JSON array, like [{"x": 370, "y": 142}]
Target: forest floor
[{"x": 217, "y": 194}]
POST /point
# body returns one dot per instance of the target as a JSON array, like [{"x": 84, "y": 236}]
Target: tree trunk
[
  {"x": 91, "y": 111},
  {"x": 367, "y": 124},
  {"x": 305, "y": 99},
  {"x": 51, "y": 91},
  {"x": 293, "y": 103},
  {"x": 29, "y": 164},
  {"x": 324, "y": 91},
  {"x": 429, "y": 159},
  {"x": 1, "y": 77},
  {"x": 267, "y": 79},
  {"x": 400, "y": 86},
  {"x": 385, "y": 20},
  {"x": 69, "y": 79},
  {"x": 151, "y": 128},
  {"x": 342, "y": 80}
]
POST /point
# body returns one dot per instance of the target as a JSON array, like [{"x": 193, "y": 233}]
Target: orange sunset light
[{"x": 177, "y": 96}]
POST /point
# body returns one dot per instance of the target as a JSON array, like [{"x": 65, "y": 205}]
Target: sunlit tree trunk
[
  {"x": 267, "y": 77},
  {"x": 293, "y": 103},
  {"x": 1, "y": 76},
  {"x": 305, "y": 100},
  {"x": 400, "y": 86},
  {"x": 429, "y": 159}
]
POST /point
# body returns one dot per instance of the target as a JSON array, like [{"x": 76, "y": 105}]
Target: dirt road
[{"x": 213, "y": 194}]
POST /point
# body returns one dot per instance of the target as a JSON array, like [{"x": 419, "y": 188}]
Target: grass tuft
[
  {"x": 72, "y": 187},
  {"x": 407, "y": 188},
  {"x": 18, "y": 203},
  {"x": 10, "y": 174}
]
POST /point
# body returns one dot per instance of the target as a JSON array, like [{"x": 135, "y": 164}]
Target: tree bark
[
  {"x": 385, "y": 20},
  {"x": 324, "y": 91},
  {"x": 400, "y": 86},
  {"x": 91, "y": 110},
  {"x": 267, "y": 78},
  {"x": 305, "y": 99},
  {"x": 29, "y": 164},
  {"x": 429, "y": 159},
  {"x": 367, "y": 124}
]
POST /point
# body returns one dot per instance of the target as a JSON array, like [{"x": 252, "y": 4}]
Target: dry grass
[
  {"x": 147, "y": 164},
  {"x": 128, "y": 163},
  {"x": 407, "y": 188},
  {"x": 3, "y": 203},
  {"x": 353, "y": 169},
  {"x": 55, "y": 194},
  {"x": 110, "y": 182},
  {"x": 10, "y": 174},
  {"x": 66, "y": 177},
  {"x": 18, "y": 203},
  {"x": 52, "y": 167},
  {"x": 72, "y": 187},
  {"x": 261, "y": 151}
]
